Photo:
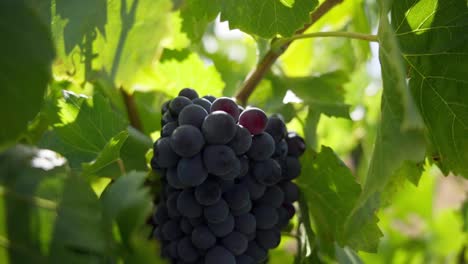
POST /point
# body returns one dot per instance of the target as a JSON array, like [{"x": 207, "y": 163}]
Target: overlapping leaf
[
  {"x": 433, "y": 37},
  {"x": 86, "y": 127},
  {"x": 331, "y": 193},
  {"x": 267, "y": 18},
  {"x": 25, "y": 67},
  {"x": 49, "y": 215}
]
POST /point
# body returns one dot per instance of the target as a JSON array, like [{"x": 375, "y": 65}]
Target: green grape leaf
[
  {"x": 107, "y": 161},
  {"x": 134, "y": 150},
  {"x": 331, "y": 193},
  {"x": 324, "y": 93},
  {"x": 47, "y": 214},
  {"x": 83, "y": 18},
  {"x": 396, "y": 143},
  {"x": 25, "y": 68},
  {"x": 31, "y": 184},
  {"x": 267, "y": 19},
  {"x": 107, "y": 36},
  {"x": 128, "y": 203},
  {"x": 86, "y": 127},
  {"x": 196, "y": 15},
  {"x": 433, "y": 38},
  {"x": 80, "y": 233},
  {"x": 170, "y": 76}
]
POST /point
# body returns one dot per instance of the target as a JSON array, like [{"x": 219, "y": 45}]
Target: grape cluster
[{"x": 226, "y": 176}]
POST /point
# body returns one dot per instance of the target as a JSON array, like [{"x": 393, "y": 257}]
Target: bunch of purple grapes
[{"x": 226, "y": 176}]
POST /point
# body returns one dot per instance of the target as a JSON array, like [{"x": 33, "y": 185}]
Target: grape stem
[
  {"x": 254, "y": 78},
  {"x": 132, "y": 110}
]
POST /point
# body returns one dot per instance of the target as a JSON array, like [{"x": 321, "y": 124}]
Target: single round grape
[
  {"x": 167, "y": 118},
  {"x": 172, "y": 249},
  {"x": 219, "y": 159},
  {"x": 165, "y": 106},
  {"x": 235, "y": 242},
  {"x": 245, "y": 223},
  {"x": 273, "y": 196},
  {"x": 208, "y": 193},
  {"x": 196, "y": 221},
  {"x": 160, "y": 216},
  {"x": 276, "y": 128},
  {"x": 217, "y": 212},
  {"x": 163, "y": 153},
  {"x": 266, "y": 216},
  {"x": 185, "y": 226},
  {"x": 267, "y": 172},
  {"x": 188, "y": 205},
  {"x": 256, "y": 190},
  {"x": 244, "y": 162},
  {"x": 177, "y": 104},
  {"x": 202, "y": 237},
  {"x": 283, "y": 217},
  {"x": 254, "y": 119},
  {"x": 237, "y": 197},
  {"x": 218, "y": 254},
  {"x": 244, "y": 259},
  {"x": 241, "y": 141},
  {"x": 281, "y": 150},
  {"x": 168, "y": 128},
  {"x": 292, "y": 168},
  {"x": 192, "y": 115},
  {"x": 225, "y": 185},
  {"x": 296, "y": 144},
  {"x": 256, "y": 252},
  {"x": 251, "y": 236},
  {"x": 210, "y": 98},
  {"x": 223, "y": 228},
  {"x": 219, "y": 128},
  {"x": 173, "y": 180},
  {"x": 189, "y": 93},
  {"x": 191, "y": 171},
  {"x": 268, "y": 238},
  {"x": 234, "y": 172},
  {"x": 244, "y": 209},
  {"x": 187, "y": 141},
  {"x": 227, "y": 105},
  {"x": 203, "y": 103},
  {"x": 262, "y": 148},
  {"x": 186, "y": 251},
  {"x": 171, "y": 204},
  {"x": 290, "y": 209},
  {"x": 291, "y": 191},
  {"x": 157, "y": 233},
  {"x": 171, "y": 230}
]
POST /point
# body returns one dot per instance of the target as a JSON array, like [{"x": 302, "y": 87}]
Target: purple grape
[
  {"x": 227, "y": 105},
  {"x": 254, "y": 120}
]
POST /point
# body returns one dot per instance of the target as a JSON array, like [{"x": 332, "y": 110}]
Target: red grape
[{"x": 254, "y": 120}]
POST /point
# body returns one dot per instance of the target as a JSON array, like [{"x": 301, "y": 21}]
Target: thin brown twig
[
  {"x": 132, "y": 110},
  {"x": 254, "y": 78}
]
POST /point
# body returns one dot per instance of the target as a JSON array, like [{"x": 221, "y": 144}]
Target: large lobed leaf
[
  {"x": 25, "y": 68},
  {"x": 116, "y": 38},
  {"x": 265, "y": 19},
  {"x": 331, "y": 193},
  {"x": 433, "y": 38},
  {"x": 94, "y": 137}
]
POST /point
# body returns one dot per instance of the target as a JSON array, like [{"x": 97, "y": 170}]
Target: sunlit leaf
[
  {"x": 434, "y": 33},
  {"x": 86, "y": 127},
  {"x": 267, "y": 18}
]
